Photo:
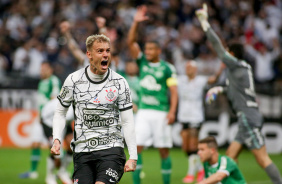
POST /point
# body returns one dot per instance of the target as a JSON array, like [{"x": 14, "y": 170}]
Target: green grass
[{"x": 15, "y": 161}]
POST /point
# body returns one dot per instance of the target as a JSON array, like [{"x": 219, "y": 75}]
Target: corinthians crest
[{"x": 110, "y": 95}]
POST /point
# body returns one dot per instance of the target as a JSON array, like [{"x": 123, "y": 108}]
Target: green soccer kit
[
  {"x": 227, "y": 165},
  {"x": 154, "y": 81},
  {"x": 47, "y": 89}
]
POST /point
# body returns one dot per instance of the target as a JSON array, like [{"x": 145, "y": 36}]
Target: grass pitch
[{"x": 15, "y": 161}]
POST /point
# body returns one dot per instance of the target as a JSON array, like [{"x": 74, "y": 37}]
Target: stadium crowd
[{"x": 30, "y": 34}]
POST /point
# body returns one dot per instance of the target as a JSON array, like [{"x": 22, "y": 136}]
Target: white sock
[
  {"x": 192, "y": 164},
  {"x": 199, "y": 164},
  {"x": 50, "y": 166}
]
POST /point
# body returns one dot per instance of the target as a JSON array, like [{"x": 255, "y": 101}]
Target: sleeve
[
  {"x": 70, "y": 115},
  {"x": 127, "y": 122},
  {"x": 55, "y": 87},
  {"x": 59, "y": 122},
  {"x": 140, "y": 58},
  {"x": 171, "y": 76},
  {"x": 226, "y": 166},
  {"x": 124, "y": 98},
  {"x": 226, "y": 57},
  {"x": 66, "y": 95}
]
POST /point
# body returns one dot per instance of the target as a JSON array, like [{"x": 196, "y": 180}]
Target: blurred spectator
[{"x": 172, "y": 22}]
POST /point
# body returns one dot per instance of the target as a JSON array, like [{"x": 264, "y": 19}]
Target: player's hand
[
  {"x": 130, "y": 165},
  {"x": 140, "y": 15},
  {"x": 65, "y": 27},
  {"x": 202, "y": 15},
  {"x": 170, "y": 118},
  {"x": 55, "y": 150},
  {"x": 212, "y": 94}
]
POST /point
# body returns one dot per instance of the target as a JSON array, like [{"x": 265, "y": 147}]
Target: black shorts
[
  {"x": 105, "y": 165},
  {"x": 188, "y": 125},
  {"x": 48, "y": 132}
]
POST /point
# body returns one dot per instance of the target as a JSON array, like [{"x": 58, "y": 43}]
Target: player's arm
[
  {"x": 214, "y": 178},
  {"x": 171, "y": 83},
  {"x": 140, "y": 16},
  {"x": 212, "y": 79},
  {"x": 71, "y": 43},
  {"x": 59, "y": 122},
  {"x": 127, "y": 122},
  {"x": 226, "y": 57}
]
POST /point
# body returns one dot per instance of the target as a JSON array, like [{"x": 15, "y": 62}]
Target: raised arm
[
  {"x": 225, "y": 56},
  {"x": 71, "y": 43},
  {"x": 140, "y": 16}
]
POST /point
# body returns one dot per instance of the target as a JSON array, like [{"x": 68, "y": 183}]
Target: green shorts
[{"x": 249, "y": 135}]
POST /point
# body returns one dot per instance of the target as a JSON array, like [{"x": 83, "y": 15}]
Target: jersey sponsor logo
[
  {"x": 102, "y": 141},
  {"x": 113, "y": 173},
  {"x": 150, "y": 100},
  {"x": 110, "y": 95},
  {"x": 64, "y": 92},
  {"x": 150, "y": 83},
  {"x": 96, "y": 100},
  {"x": 92, "y": 118}
]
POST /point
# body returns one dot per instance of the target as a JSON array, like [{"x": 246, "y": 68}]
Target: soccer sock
[
  {"x": 192, "y": 164},
  {"x": 166, "y": 170},
  {"x": 35, "y": 157},
  {"x": 273, "y": 173},
  {"x": 199, "y": 164},
  {"x": 50, "y": 166},
  {"x": 136, "y": 173}
]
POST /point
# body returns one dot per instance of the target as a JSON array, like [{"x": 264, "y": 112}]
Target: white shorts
[
  {"x": 37, "y": 134},
  {"x": 151, "y": 126}
]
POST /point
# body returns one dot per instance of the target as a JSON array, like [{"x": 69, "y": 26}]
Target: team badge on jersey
[
  {"x": 75, "y": 181},
  {"x": 110, "y": 95}
]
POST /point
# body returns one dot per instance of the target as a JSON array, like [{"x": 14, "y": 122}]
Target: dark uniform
[{"x": 241, "y": 93}]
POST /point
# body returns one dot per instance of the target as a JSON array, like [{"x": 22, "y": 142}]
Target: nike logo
[
  {"x": 112, "y": 181},
  {"x": 82, "y": 95}
]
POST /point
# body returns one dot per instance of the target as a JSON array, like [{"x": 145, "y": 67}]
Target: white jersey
[
  {"x": 190, "y": 107},
  {"x": 97, "y": 107},
  {"x": 48, "y": 111}
]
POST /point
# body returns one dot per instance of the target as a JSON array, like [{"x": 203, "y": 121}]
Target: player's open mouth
[{"x": 104, "y": 64}]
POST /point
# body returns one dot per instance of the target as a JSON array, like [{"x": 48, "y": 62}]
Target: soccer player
[
  {"x": 191, "y": 115},
  {"x": 103, "y": 107},
  {"x": 56, "y": 162},
  {"x": 241, "y": 93},
  {"x": 156, "y": 110},
  {"x": 218, "y": 168},
  {"x": 48, "y": 88}
]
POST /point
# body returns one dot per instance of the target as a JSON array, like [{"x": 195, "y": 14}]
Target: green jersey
[
  {"x": 227, "y": 165},
  {"x": 133, "y": 82},
  {"x": 154, "y": 81},
  {"x": 48, "y": 89}
]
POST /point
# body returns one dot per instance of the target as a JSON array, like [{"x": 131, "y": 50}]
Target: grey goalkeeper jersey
[{"x": 240, "y": 84}]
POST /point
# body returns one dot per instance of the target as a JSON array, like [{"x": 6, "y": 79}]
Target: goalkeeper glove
[
  {"x": 202, "y": 15},
  {"x": 212, "y": 94}
]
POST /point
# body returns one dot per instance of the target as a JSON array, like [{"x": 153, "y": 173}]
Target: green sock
[
  {"x": 35, "y": 157},
  {"x": 166, "y": 170},
  {"x": 136, "y": 173}
]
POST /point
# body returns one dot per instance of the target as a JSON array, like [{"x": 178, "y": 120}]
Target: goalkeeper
[{"x": 241, "y": 93}]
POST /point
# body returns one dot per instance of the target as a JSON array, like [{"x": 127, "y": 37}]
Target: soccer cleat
[
  {"x": 188, "y": 179},
  {"x": 63, "y": 175},
  {"x": 201, "y": 175},
  {"x": 51, "y": 179},
  {"x": 31, "y": 175}
]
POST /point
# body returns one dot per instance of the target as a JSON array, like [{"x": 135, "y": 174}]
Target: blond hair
[{"x": 96, "y": 38}]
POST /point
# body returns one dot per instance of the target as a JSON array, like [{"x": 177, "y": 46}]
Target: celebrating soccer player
[
  {"x": 103, "y": 107},
  {"x": 156, "y": 111},
  {"x": 241, "y": 93}
]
